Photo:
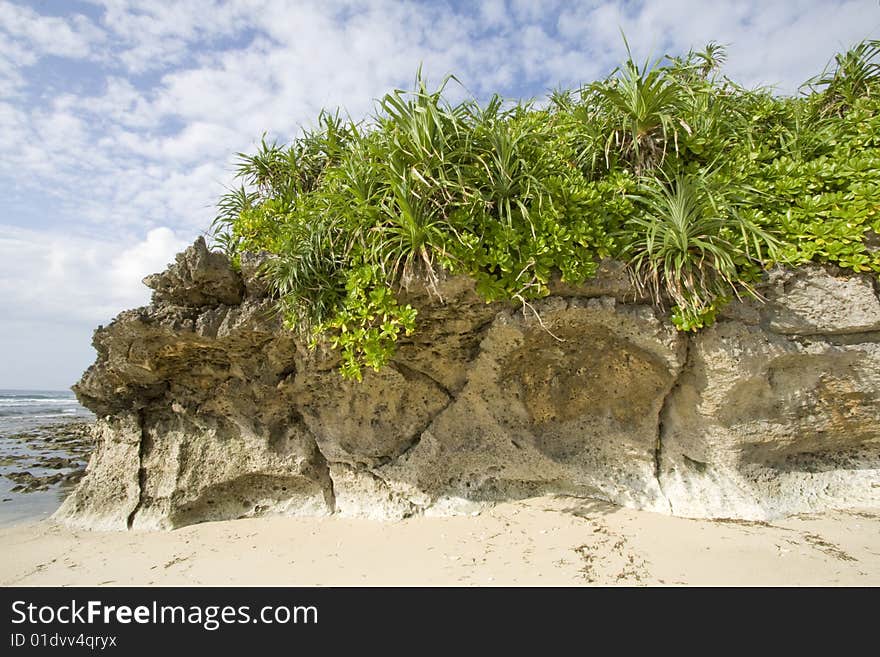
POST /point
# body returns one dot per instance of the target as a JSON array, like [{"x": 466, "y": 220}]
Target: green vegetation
[{"x": 696, "y": 182}]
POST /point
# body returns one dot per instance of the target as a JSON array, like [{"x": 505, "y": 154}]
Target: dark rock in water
[
  {"x": 29, "y": 483},
  {"x": 75, "y": 476},
  {"x": 24, "y": 435},
  {"x": 54, "y": 462},
  {"x": 210, "y": 410},
  {"x": 64, "y": 447}
]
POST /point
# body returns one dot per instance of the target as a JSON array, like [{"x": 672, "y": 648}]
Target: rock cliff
[{"x": 208, "y": 409}]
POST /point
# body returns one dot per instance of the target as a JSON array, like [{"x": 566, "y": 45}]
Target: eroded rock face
[
  {"x": 197, "y": 278},
  {"x": 210, "y": 410},
  {"x": 570, "y": 407},
  {"x": 763, "y": 425},
  {"x": 778, "y": 408},
  {"x": 812, "y": 301}
]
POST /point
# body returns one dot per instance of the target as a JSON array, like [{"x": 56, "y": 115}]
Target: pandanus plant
[
  {"x": 690, "y": 241},
  {"x": 643, "y": 104},
  {"x": 854, "y": 74},
  {"x": 420, "y": 137}
]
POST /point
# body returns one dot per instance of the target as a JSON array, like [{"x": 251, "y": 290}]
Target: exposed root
[{"x": 526, "y": 304}]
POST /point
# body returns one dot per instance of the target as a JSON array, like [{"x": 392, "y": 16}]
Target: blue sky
[{"x": 119, "y": 118}]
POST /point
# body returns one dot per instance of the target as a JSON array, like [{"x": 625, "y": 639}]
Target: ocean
[{"x": 44, "y": 446}]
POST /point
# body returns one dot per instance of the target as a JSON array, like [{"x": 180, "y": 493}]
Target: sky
[{"x": 120, "y": 119}]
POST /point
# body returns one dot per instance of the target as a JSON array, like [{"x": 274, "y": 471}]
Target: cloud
[
  {"x": 73, "y": 36},
  {"x": 770, "y": 43},
  {"x": 153, "y": 35},
  {"x": 55, "y": 288},
  {"x": 54, "y": 277},
  {"x": 147, "y": 257}
]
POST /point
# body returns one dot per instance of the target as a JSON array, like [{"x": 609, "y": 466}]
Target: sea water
[
  {"x": 28, "y": 420},
  {"x": 21, "y": 410}
]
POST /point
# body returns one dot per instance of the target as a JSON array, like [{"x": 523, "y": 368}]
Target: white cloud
[
  {"x": 770, "y": 43},
  {"x": 494, "y": 13},
  {"x": 55, "y": 288},
  {"x": 46, "y": 35},
  {"x": 152, "y": 255},
  {"x": 13, "y": 57},
  {"x": 151, "y": 35},
  {"x": 54, "y": 277}
]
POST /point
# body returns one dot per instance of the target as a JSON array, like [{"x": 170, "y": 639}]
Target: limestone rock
[
  {"x": 611, "y": 280},
  {"x": 210, "y": 410},
  {"x": 108, "y": 495},
  {"x": 367, "y": 423},
  {"x": 568, "y": 407},
  {"x": 197, "y": 278},
  {"x": 812, "y": 301},
  {"x": 255, "y": 283},
  {"x": 763, "y": 425},
  {"x": 361, "y": 494}
]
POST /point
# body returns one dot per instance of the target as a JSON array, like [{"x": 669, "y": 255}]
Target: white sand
[{"x": 542, "y": 541}]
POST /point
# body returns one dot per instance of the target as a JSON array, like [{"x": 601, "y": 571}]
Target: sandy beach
[{"x": 540, "y": 541}]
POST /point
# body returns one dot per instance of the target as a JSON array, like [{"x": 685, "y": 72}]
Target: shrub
[{"x": 696, "y": 182}]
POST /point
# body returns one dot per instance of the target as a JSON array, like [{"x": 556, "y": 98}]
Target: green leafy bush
[{"x": 697, "y": 183}]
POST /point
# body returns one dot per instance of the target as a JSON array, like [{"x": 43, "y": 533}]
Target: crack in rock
[
  {"x": 323, "y": 465},
  {"x": 143, "y": 447},
  {"x": 663, "y": 412}
]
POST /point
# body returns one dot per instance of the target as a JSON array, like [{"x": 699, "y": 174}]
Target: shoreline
[
  {"x": 40, "y": 465},
  {"x": 552, "y": 540}
]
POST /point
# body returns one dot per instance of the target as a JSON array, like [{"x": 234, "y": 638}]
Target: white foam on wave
[{"x": 35, "y": 402}]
